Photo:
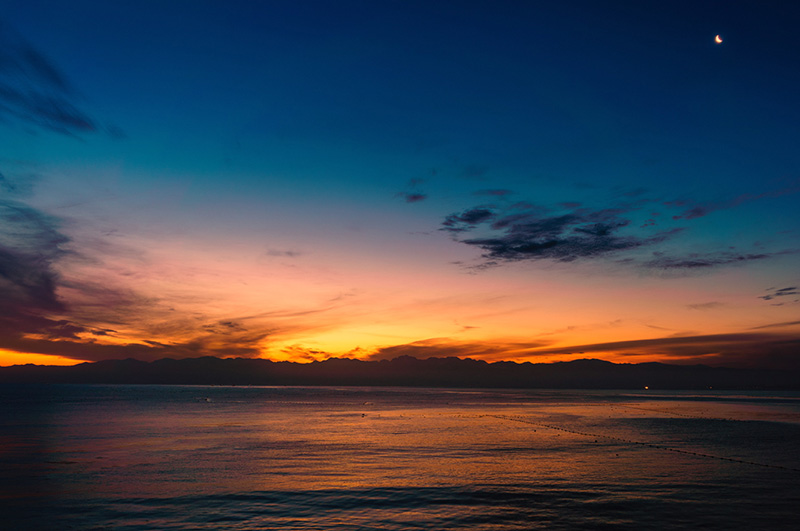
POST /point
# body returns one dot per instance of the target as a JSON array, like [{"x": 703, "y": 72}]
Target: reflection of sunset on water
[{"x": 320, "y": 457}]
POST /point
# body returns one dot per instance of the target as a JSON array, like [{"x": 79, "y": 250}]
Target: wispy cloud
[
  {"x": 412, "y": 193},
  {"x": 34, "y": 91},
  {"x": 621, "y": 231},
  {"x": 413, "y": 197},
  {"x": 300, "y": 353},
  {"x": 289, "y": 253},
  {"x": 777, "y": 325},
  {"x": 48, "y": 308},
  {"x": 747, "y": 349},
  {"x": 467, "y": 220},
  {"x": 705, "y": 305},
  {"x": 693, "y": 209},
  {"x": 773, "y": 293},
  {"x": 539, "y": 233},
  {"x": 704, "y": 261},
  {"x": 446, "y": 347},
  {"x": 30, "y": 245},
  {"x": 16, "y": 186},
  {"x": 146, "y": 350}
]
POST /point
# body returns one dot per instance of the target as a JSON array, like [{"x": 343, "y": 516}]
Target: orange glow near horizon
[
  {"x": 179, "y": 300},
  {"x": 303, "y": 354},
  {"x": 9, "y": 358}
]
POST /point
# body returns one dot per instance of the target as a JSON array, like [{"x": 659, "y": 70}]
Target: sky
[{"x": 499, "y": 180}]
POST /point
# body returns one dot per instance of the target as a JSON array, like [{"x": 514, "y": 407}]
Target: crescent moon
[{"x": 718, "y": 39}]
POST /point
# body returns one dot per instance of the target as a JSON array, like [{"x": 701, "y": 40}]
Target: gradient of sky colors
[{"x": 295, "y": 180}]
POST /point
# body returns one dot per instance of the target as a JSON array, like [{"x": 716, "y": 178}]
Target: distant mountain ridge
[{"x": 406, "y": 371}]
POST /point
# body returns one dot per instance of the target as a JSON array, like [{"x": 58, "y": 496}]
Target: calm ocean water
[{"x": 186, "y": 457}]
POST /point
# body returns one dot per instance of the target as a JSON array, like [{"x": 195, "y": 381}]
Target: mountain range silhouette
[{"x": 406, "y": 371}]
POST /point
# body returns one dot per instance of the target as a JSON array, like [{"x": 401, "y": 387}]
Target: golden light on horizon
[{"x": 10, "y": 357}]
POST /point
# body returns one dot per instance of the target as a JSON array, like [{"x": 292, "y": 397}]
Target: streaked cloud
[
  {"x": 447, "y": 347},
  {"x": 572, "y": 231},
  {"x": 467, "y": 220},
  {"x": 289, "y": 253},
  {"x": 705, "y": 305},
  {"x": 703, "y": 261},
  {"x": 694, "y": 209},
  {"x": 34, "y": 91},
  {"x": 414, "y": 197},
  {"x": 773, "y": 293},
  {"x": 540, "y": 233},
  {"x": 745, "y": 349},
  {"x": 413, "y": 192},
  {"x": 30, "y": 245},
  {"x": 777, "y": 325}
]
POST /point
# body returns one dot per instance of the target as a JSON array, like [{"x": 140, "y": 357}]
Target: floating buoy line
[
  {"x": 642, "y": 444},
  {"x": 674, "y": 413}
]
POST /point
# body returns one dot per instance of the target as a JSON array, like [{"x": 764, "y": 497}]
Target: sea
[{"x": 140, "y": 457}]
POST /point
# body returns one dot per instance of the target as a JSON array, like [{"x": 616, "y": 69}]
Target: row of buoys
[
  {"x": 679, "y": 414},
  {"x": 640, "y": 443}
]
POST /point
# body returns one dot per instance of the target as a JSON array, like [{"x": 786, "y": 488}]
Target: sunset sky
[{"x": 501, "y": 180}]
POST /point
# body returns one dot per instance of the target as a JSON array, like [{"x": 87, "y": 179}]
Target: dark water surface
[{"x": 185, "y": 457}]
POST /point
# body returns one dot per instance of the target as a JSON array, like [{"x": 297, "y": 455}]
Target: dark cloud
[
  {"x": 284, "y": 252},
  {"x": 777, "y": 325},
  {"x": 224, "y": 327},
  {"x": 35, "y": 319},
  {"x": 297, "y": 352},
  {"x": 222, "y": 338},
  {"x": 536, "y": 234},
  {"x": 572, "y": 231},
  {"x": 748, "y": 349},
  {"x": 782, "y": 292},
  {"x": 703, "y": 261},
  {"x": 145, "y": 351},
  {"x": 442, "y": 348},
  {"x": 33, "y": 91},
  {"x": 692, "y": 209},
  {"x": 467, "y": 220},
  {"x": 760, "y": 349},
  {"x": 412, "y": 193},
  {"x": 705, "y": 305},
  {"x": 414, "y": 197},
  {"x": 30, "y": 244}
]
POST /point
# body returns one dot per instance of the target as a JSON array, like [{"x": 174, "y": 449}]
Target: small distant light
[
  {"x": 718, "y": 39},
  {"x": 646, "y": 388}
]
